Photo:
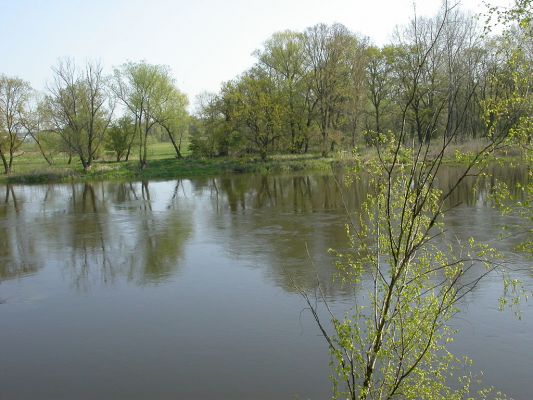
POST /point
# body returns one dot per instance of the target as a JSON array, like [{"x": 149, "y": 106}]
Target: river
[{"x": 186, "y": 289}]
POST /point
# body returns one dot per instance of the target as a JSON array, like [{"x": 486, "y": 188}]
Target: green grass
[{"x": 30, "y": 166}]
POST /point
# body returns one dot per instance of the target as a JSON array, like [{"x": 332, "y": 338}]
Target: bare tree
[
  {"x": 80, "y": 108},
  {"x": 35, "y": 123}
]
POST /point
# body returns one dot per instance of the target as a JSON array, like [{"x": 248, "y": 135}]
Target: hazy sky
[{"x": 204, "y": 42}]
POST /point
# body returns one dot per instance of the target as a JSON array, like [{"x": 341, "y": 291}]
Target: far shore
[{"x": 31, "y": 168}]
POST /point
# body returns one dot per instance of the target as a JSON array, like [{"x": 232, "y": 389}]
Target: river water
[{"x": 186, "y": 289}]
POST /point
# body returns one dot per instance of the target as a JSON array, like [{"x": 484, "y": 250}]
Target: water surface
[{"x": 186, "y": 289}]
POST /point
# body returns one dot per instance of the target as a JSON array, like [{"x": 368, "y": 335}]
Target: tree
[
  {"x": 79, "y": 108},
  {"x": 327, "y": 54},
  {"x": 14, "y": 98},
  {"x": 392, "y": 343},
  {"x": 283, "y": 59},
  {"x": 210, "y": 129},
  {"x": 511, "y": 108},
  {"x": 120, "y": 135},
  {"x": 37, "y": 125},
  {"x": 172, "y": 116},
  {"x": 355, "y": 90},
  {"x": 257, "y": 110},
  {"x": 378, "y": 81},
  {"x": 145, "y": 89},
  {"x": 419, "y": 66}
]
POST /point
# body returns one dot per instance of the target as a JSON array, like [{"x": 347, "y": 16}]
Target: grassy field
[{"x": 30, "y": 167}]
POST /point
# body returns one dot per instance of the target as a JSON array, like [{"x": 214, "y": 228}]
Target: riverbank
[
  {"x": 31, "y": 168},
  {"x": 33, "y": 171}
]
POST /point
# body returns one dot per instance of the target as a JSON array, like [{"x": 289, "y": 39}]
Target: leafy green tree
[
  {"x": 509, "y": 106},
  {"x": 355, "y": 91},
  {"x": 119, "y": 136},
  {"x": 283, "y": 59},
  {"x": 257, "y": 111},
  {"x": 209, "y": 131},
  {"x": 37, "y": 126},
  {"x": 14, "y": 98},
  {"x": 172, "y": 116},
  {"x": 379, "y": 84},
  {"x": 393, "y": 342},
  {"x": 144, "y": 89},
  {"x": 510, "y": 109},
  {"x": 327, "y": 52}
]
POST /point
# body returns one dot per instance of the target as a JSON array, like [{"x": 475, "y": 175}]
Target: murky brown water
[{"x": 184, "y": 289}]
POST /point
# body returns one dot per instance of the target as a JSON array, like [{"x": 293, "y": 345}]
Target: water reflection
[
  {"x": 18, "y": 255},
  {"x": 149, "y": 282},
  {"x": 95, "y": 232},
  {"x": 159, "y": 244},
  {"x": 139, "y": 231}
]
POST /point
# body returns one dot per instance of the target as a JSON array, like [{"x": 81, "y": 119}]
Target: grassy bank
[{"x": 30, "y": 166}]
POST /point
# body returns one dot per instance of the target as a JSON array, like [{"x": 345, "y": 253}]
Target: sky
[{"x": 204, "y": 42}]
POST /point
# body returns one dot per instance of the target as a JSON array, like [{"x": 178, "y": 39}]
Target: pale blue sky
[{"x": 204, "y": 42}]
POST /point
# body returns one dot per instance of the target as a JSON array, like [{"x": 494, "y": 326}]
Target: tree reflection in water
[
  {"x": 18, "y": 256},
  {"x": 96, "y": 232},
  {"x": 138, "y": 232}
]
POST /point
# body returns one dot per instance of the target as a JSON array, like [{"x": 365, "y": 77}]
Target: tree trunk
[
  {"x": 145, "y": 152},
  {"x": 354, "y": 131},
  {"x": 43, "y": 153},
  {"x": 7, "y": 169},
  {"x": 85, "y": 165},
  {"x": 174, "y": 144},
  {"x": 378, "y": 127},
  {"x": 10, "y": 159},
  {"x": 324, "y": 143},
  {"x": 89, "y": 161},
  {"x": 419, "y": 128},
  {"x": 130, "y": 144}
]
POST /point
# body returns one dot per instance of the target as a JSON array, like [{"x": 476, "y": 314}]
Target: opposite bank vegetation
[
  {"x": 323, "y": 90},
  {"x": 31, "y": 168}
]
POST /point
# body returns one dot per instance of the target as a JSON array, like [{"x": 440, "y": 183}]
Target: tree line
[
  {"x": 318, "y": 90},
  {"x": 327, "y": 87},
  {"x": 84, "y": 110}
]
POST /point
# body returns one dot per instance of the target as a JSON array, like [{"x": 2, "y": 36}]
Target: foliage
[
  {"x": 326, "y": 87},
  {"x": 173, "y": 118},
  {"x": 512, "y": 109},
  {"x": 14, "y": 97},
  {"x": 164, "y": 165},
  {"x": 393, "y": 341},
  {"x": 149, "y": 94},
  {"x": 119, "y": 136},
  {"x": 78, "y": 109}
]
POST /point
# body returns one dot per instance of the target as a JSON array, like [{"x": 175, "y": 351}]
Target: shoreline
[{"x": 168, "y": 168}]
